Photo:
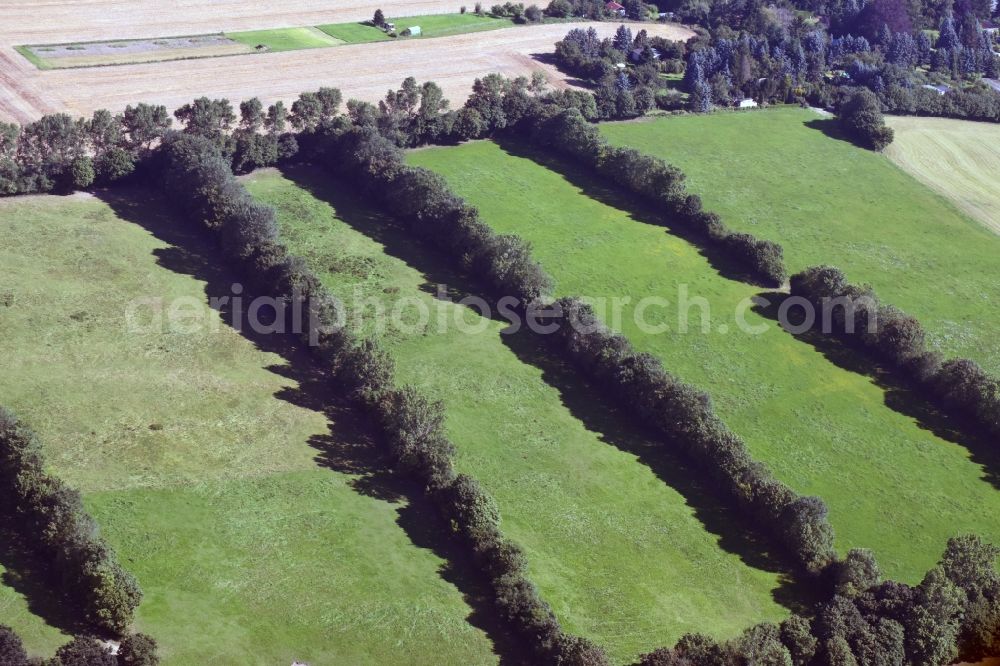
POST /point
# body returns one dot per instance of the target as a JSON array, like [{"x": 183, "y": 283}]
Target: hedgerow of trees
[
  {"x": 197, "y": 176},
  {"x": 953, "y": 613},
  {"x": 568, "y": 133},
  {"x": 195, "y": 167},
  {"x": 958, "y": 385},
  {"x": 682, "y": 414},
  {"x": 50, "y": 518}
]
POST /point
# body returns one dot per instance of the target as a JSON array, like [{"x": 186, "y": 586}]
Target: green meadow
[
  {"x": 431, "y": 25},
  {"x": 778, "y": 174},
  {"x": 241, "y": 504},
  {"x": 624, "y": 558},
  {"x": 285, "y": 39},
  {"x": 810, "y": 412}
]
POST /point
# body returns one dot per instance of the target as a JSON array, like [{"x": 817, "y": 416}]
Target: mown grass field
[
  {"x": 208, "y": 466},
  {"x": 778, "y": 175},
  {"x": 286, "y": 39},
  {"x": 431, "y": 25},
  {"x": 958, "y": 159},
  {"x": 823, "y": 426},
  {"x": 623, "y": 557}
]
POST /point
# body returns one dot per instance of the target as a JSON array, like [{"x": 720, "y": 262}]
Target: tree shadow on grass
[
  {"x": 618, "y": 429},
  {"x": 612, "y": 426},
  {"x": 396, "y": 241},
  {"x": 36, "y": 582},
  {"x": 900, "y": 395},
  {"x": 349, "y": 447},
  {"x": 831, "y": 127},
  {"x": 591, "y": 186}
]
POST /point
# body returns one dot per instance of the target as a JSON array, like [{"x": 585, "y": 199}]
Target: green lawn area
[
  {"x": 827, "y": 202},
  {"x": 891, "y": 484},
  {"x": 286, "y": 39},
  {"x": 33, "y": 58},
  {"x": 216, "y": 479},
  {"x": 624, "y": 558},
  {"x": 432, "y": 25}
]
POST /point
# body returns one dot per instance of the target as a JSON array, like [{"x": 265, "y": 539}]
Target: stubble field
[{"x": 361, "y": 71}]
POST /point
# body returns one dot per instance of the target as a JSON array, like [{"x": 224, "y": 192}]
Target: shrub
[
  {"x": 857, "y": 573},
  {"x": 114, "y": 164},
  {"x": 861, "y": 116},
  {"x": 11, "y": 648},
  {"x": 138, "y": 650},
  {"x": 83, "y": 652},
  {"x": 82, "y": 173}
]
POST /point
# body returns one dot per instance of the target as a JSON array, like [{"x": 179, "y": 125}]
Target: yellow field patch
[{"x": 956, "y": 158}]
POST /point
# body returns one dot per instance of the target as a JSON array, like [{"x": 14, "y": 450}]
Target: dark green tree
[
  {"x": 12, "y": 651},
  {"x": 138, "y": 650}
]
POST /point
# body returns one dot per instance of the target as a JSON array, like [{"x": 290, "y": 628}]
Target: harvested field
[
  {"x": 364, "y": 71},
  {"x": 47, "y": 21},
  {"x": 958, "y": 159}
]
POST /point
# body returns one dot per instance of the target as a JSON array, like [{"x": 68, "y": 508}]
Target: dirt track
[{"x": 363, "y": 71}]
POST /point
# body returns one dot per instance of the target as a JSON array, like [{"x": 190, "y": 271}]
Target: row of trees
[
  {"x": 432, "y": 212},
  {"x": 422, "y": 199},
  {"x": 973, "y": 103},
  {"x": 197, "y": 176},
  {"x": 896, "y": 338},
  {"x": 134, "y": 650},
  {"x": 50, "y": 518},
  {"x": 868, "y": 621},
  {"x": 597, "y": 10},
  {"x": 686, "y": 418},
  {"x": 58, "y": 152},
  {"x": 568, "y": 133},
  {"x": 953, "y": 613}
]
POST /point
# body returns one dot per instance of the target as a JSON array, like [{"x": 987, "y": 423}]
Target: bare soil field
[
  {"x": 958, "y": 159},
  {"x": 48, "y": 21},
  {"x": 363, "y": 71}
]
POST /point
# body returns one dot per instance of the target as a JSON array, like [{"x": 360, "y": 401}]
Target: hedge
[
  {"x": 50, "y": 517},
  {"x": 659, "y": 183},
  {"x": 959, "y": 386},
  {"x": 199, "y": 179},
  {"x": 680, "y": 412}
]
